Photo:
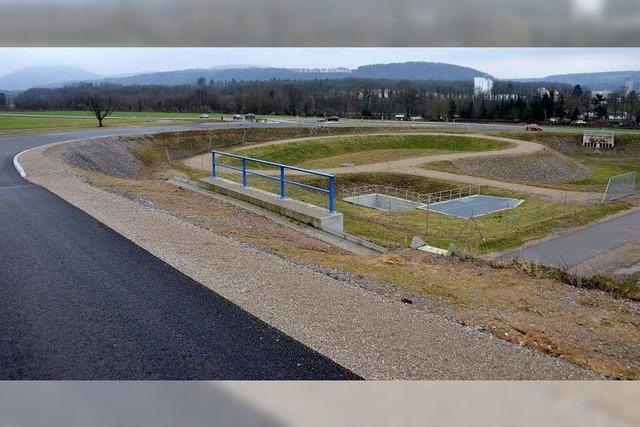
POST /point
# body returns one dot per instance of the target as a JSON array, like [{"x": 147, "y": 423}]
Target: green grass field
[
  {"x": 331, "y": 152},
  {"x": 116, "y": 114},
  {"x": 18, "y": 125},
  {"x": 14, "y": 124},
  {"x": 25, "y": 122}
]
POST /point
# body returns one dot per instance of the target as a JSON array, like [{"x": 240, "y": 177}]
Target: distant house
[{"x": 601, "y": 139}]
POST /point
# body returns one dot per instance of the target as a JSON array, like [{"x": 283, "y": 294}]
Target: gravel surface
[
  {"x": 544, "y": 168},
  {"x": 364, "y": 332},
  {"x": 110, "y": 155}
]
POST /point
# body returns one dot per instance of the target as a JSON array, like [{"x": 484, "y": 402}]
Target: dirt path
[
  {"x": 411, "y": 166},
  {"x": 522, "y": 147}
]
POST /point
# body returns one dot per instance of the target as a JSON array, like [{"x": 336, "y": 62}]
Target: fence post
[
  {"x": 244, "y": 172},
  {"x": 214, "y": 172},
  {"x": 331, "y": 194},
  {"x": 283, "y": 195}
]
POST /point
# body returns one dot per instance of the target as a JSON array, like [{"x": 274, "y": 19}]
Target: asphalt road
[
  {"x": 79, "y": 301},
  {"x": 575, "y": 248}
]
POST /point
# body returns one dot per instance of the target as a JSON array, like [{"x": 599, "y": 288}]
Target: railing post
[
  {"x": 331, "y": 194},
  {"x": 214, "y": 172},
  {"x": 283, "y": 194},
  {"x": 244, "y": 172}
]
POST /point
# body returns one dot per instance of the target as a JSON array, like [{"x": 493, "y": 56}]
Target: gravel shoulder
[{"x": 374, "y": 337}]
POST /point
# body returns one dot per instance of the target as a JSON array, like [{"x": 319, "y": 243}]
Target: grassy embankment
[{"x": 358, "y": 150}]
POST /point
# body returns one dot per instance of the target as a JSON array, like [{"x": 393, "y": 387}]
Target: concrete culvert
[{"x": 382, "y": 202}]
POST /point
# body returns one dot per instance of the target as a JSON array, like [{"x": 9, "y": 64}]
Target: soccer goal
[
  {"x": 601, "y": 139},
  {"x": 620, "y": 186}
]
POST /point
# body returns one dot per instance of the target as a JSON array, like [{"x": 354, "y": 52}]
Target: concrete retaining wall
[{"x": 304, "y": 212}]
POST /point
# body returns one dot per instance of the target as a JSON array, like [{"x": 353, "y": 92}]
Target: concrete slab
[{"x": 304, "y": 212}]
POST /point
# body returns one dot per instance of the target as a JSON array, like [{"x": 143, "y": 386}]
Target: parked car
[
  {"x": 579, "y": 122},
  {"x": 333, "y": 119},
  {"x": 532, "y": 127},
  {"x": 416, "y": 118},
  {"x": 204, "y": 116},
  {"x": 237, "y": 117},
  {"x": 250, "y": 116}
]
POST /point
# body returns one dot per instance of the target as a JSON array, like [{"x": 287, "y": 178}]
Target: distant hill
[
  {"x": 180, "y": 77},
  {"x": 56, "y": 76},
  {"x": 611, "y": 80},
  {"x": 39, "y": 76},
  {"x": 418, "y": 71},
  {"x": 400, "y": 71}
]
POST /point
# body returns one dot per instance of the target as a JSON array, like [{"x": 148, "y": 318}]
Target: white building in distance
[
  {"x": 628, "y": 86},
  {"x": 482, "y": 86}
]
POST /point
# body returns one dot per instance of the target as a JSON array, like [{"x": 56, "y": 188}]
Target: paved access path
[
  {"x": 581, "y": 245},
  {"x": 79, "y": 301}
]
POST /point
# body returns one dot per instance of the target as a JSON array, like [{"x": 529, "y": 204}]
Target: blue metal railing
[{"x": 330, "y": 190}]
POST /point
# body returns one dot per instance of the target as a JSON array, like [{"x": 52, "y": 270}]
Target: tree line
[{"x": 350, "y": 97}]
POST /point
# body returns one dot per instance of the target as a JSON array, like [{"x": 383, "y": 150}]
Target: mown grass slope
[{"x": 363, "y": 149}]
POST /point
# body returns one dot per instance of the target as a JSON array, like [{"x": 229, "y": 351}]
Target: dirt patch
[{"x": 542, "y": 168}]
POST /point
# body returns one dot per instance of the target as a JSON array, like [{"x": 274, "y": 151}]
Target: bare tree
[{"x": 100, "y": 105}]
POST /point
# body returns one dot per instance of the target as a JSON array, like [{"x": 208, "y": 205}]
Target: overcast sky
[{"x": 499, "y": 62}]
